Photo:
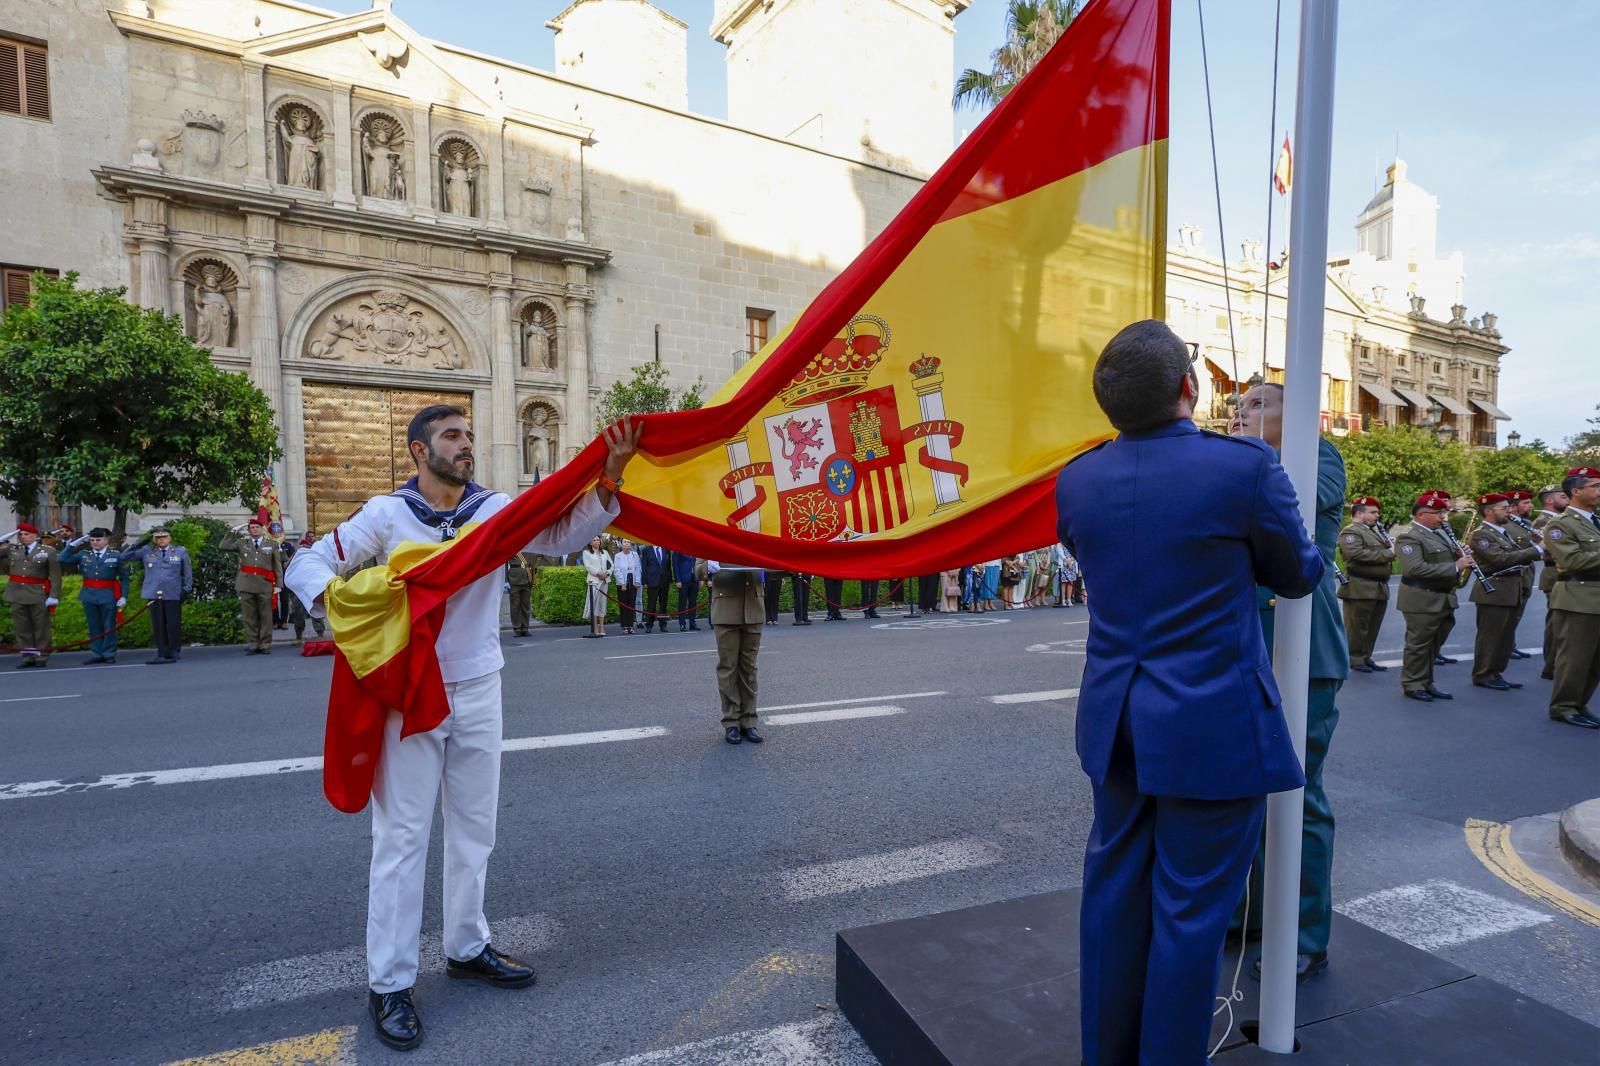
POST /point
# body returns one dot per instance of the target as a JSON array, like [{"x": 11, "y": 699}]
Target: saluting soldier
[
  {"x": 519, "y": 583},
  {"x": 1505, "y": 562},
  {"x": 1522, "y": 531},
  {"x": 738, "y": 615},
  {"x": 1552, "y": 501},
  {"x": 35, "y": 580},
  {"x": 168, "y": 578},
  {"x": 104, "y": 593},
  {"x": 260, "y": 576},
  {"x": 1368, "y": 561},
  {"x": 1573, "y": 541},
  {"x": 1430, "y": 572}
]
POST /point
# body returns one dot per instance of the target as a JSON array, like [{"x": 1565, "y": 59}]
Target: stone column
[
  {"x": 578, "y": 427},
  {"x": 496, "y": 179},
  {"x": 503, "y": 380},
  {"x": 344, "y": 149},
  {"x": 266, "y": 365},
  {"x": 291, "y": 416},
  {"x": 255, "y": 127},
  {"x": 422, "y": 140},
  {"x": 149, "y": 230}
]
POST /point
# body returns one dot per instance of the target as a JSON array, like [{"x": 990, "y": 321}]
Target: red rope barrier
[{"x": 86, "y": 641}]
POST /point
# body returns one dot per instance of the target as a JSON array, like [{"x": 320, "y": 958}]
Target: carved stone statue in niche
[
  {"x": 382, "y": 167},
  {"x": 457, "y": 179},
  {"x": 213, "y": 314},
  {"x": 538, "y": 346},
  {"x": 541, "y": 440},
  {"x": 300, "y": 149},
  {"x": 385, "y": 325}
]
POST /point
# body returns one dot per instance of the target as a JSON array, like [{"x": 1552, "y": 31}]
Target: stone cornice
[
  {"x": 134, "y": 26},
  {"x": 125, "y": 182}
]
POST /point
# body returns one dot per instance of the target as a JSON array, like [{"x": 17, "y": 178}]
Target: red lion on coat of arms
[{"x": 796, "y": 439}]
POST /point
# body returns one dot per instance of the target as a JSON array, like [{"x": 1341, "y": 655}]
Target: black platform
[{"x": 998, "y": 984}]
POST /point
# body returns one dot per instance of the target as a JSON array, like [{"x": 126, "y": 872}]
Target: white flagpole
[{"x": 1308, "y": 235}]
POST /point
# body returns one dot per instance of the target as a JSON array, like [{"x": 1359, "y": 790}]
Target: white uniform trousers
[{"x": 463, "y": 756}]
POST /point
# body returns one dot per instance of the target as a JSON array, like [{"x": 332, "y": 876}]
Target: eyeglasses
[{"x": 1194, "y": 351}]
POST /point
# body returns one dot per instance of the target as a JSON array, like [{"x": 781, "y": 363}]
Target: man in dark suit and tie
[
  {"x": 655, "y": 564},
  {"x": 1180, "y": 727},
  {"x": 683, "y": 575}
]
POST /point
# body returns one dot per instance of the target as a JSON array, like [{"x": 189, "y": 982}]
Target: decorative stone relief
[
  {"x": 536, "y": 203},
  {"x": 300, "y": 136},
  {"x": 459, "y": 165},
  {"x": 388, "y": 50},
  {"x": 198, "y": 140},
  {"x": 212, "y": 288},
  {"x": 385, "y": 326},
  {"x": 539, "y": 337},
  {"x": 293, "y": 280},
  {"x": 541, "y": 438},
  {"x": 383, "y": 173},
  {"x": 475, "y": 303},
  {"x": 144, "y": 155}
]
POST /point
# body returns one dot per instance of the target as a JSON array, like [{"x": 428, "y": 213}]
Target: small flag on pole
[{"x": 1283, "y": 173}]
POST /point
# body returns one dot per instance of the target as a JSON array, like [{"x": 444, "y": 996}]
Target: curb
[{"x": 1580, "y": 838}]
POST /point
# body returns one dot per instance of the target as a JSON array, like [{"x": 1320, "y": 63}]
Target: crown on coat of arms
[
  {"x": 391, "y": 300},
  {"x": 842, "y": 367},
  {"x": 203, "y": 120},
  {"x": 925, "y": 367}
]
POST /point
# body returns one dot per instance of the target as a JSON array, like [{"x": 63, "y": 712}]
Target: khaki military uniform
[
  {"x": 1573, "y": 542},
  {"x": 35, "y": 577},
  {"x": 1547, "y": 583},
  {"x": 1428, "y": 583},
  {"x": 1368, "y": 558},
  {"x": 519, "y": 575},
  {"x": 1507, "y": 564},
  {"x": 738, "y": 613},
  {"x": 260, "y": 576}
]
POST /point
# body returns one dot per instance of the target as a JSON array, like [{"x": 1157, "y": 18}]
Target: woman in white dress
[{"x": 598, "y": 566}]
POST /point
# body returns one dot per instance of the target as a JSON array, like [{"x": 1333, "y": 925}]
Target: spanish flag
[
  {"x": 1283, "y": 173},
  {"x": 912, "y": 419}
]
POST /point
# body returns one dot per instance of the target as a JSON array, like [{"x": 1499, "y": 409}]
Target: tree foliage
[
  {"x": 1583, "y": 449},
  {"x": 648, "y": 391},
  {"x": 115, "y": 408},
  {"x": 1032, "y": 28},
  {"x": 1530, "y": 467},
  {"x": 1400, "y": 463}
]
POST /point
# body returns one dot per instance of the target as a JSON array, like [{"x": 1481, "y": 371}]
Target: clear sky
[{"x": 1491, "y": 105}]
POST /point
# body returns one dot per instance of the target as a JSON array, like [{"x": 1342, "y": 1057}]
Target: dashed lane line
[
  {"x": 1439, "y": 914},
  {"x": 36, "y": 699},
  {"x": 862, "y": 699},
  {"x": 567, "y": 740},
  {"x": 835, "y": 715},
  {"x": 49, "y": 672},
  {"x": 660, "y": 654},
  {"x": 887, "y": 868},
  {"x": 1034, "y": 697}
]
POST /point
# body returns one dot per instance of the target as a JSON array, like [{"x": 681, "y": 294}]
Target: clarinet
[
  {"x": 1338, "y": 575},
  {"x": 1383, "y": 532},
  {"x": 1527, "y": 525},
  {"x": 1462, "y": 553}
]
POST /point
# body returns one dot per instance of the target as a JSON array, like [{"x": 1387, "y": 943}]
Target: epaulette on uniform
[{"x": 1257, "y": 441}]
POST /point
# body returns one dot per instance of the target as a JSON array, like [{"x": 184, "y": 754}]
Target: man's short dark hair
[
  {"x": 1361, "y": 508},
  {"x": 421, "y": 427},
  {"x": 1545, "y": 494},
  {"x": 1139, "y": 376},
  {"x": 1573, "y": 484}
]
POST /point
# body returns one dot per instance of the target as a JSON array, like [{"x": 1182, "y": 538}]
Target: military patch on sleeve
[
  {"x": 1350, "y": 538},
  {"x": 1407, "y": 549},
  {"x": 1554, "y": 534}
]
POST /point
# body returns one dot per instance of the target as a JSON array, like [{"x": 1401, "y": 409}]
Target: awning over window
[
  {"x": 1416, "y": 399},
  {"x": 1451, "y": 404},
  {"x": 1381, "y": 394},
  {"x": 1490, "y": 409}
]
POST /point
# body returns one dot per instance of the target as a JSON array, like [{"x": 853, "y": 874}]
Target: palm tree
[{"x": 1032, "y": 27}]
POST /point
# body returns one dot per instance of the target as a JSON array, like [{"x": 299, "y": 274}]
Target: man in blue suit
[
  {"x": 688, "y": 590},
  {"x": 655, "y": 564},
  {"x": 1180, "y": 727}
]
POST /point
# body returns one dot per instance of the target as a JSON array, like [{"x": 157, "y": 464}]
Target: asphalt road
[{"x": 678, "y": 895}]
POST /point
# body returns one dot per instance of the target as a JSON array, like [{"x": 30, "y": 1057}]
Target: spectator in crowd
[
  {"x": 869, "y": 598},
  {"x": 625, "y": 567},
  {"x": 991, "y": 585},
  {"x": 800, "y": 585},
  {"x": 1043, "y": 573},
  {"x": 833, "y": 593},
  {"x": 297, "y": 610},
  {"x": 928, "y": 592},
  {"x": 773, "y": 593},
  {"x": 950, "y": 591},
  {"x": 597, "y": 567},
  {"x": 1011, "y": 577},
  {"x": 686, "y": 577},
  {"x": 519, "y": 585},
  {"x": 1066, "y": 575},
  {"x": 655, "y": 564}
]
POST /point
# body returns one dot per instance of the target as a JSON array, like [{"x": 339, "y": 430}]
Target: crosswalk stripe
[
  {"x": 331, "y": 1047},
  {"x": 1035, "y": 697},
  {"x": 567, "y": 740},
  {"x": 283, "y": 980},
  {"x": 1439, "y": 914},
  {"x": 887, "y": 868},
  {"x": 837, "y": 714},
  {"x": 36, "y": 699},
  {"x": 822, "y": 1042},
  {"x": 860, "y": 699}
]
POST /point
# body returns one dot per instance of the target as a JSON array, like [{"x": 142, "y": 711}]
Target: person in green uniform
[
  {"x": 519, "y": 583},
  {"x": 1368, "y": 561},
  {"x": 1430, "y": 573},
  {"x": 1260, "y": 414},
  {"x": 738, "y": 616},
  {"x": 1552, "y": 501},
  {"x": 1520, "y": 525},
  {"x": 104, "y": 592},
  {"x": 1573, "y": 541},
  {"x": 260, "y": 576},
  {"x": 1504, "y": 561},
  {"x": 31, "y": 593}
]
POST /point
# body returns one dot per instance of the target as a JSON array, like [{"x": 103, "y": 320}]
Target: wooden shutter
[
  {"x": 36, "y": 82},
  {"x": 10, "y": 77},
  {"x": 17, "y": 288}
]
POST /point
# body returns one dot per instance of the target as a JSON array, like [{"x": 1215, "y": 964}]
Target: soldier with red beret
[
  {"x": 1430, "y": 569},
  {"x": 1523, "y": 532},
  {"x": 1573, "y": 541},
  {"x": 1369, "y": 560},
  {"x": 32, "y": 593},
  {"x": 1505, "y": 562}
]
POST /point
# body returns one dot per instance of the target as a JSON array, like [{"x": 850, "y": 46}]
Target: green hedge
[{"x": 559, "y": 594}]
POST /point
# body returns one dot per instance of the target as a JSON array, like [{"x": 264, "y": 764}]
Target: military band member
[
  {"x": 738, "y": 615},
  {"x": 519, "y": 583},
  {"x": 1430, "y": 572},
  {"x": 260, "y": 576},
  {"x": 1573, "y": 541},
  {"x": 1369, "y": 561},
  {"x": 32, "y": 593},
  {"x": 1520, "y": 527},
  {"x": 1505, "y": 562},
  {"x": 1552, "y": 502},
  {"x": 104, "y": 592},
  {"x": 168, "y": 578}
]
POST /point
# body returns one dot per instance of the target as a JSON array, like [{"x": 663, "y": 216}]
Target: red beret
[
  {"x": 1584, "y": 471},
  {"x": 1518, "y": 495},
  {"x": 1434, "y": 500},
  {"x": 27, "y": 527},
  {"x": 1365, "y": 501},
  {"x": 1492, "y": 497}
]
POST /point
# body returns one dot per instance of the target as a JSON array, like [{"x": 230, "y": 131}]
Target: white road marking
[
  {"x": 1439, "y": 914},
  {"x": 1035, "y": 697},
  {"x": 658, "y": 654},
  {"x": 862, "y": 699},
  {"x": 829, "y": 1041},
  {"x": 48, "y": 672},
  {"x": 283, "y": 980},
  {"x": 1078, "y": 646},
  {"x": 30, "y": 789},
  {"x": 35, "y": 699},
  {"x": 888, "y": 868},
  {"x": 837, "y": 714},
  {"x": 942, "y": 623}
]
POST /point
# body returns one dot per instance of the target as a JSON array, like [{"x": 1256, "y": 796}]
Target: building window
[
  {"x": 16, "y": 284},
  {"x": 1366, "y": 354},
  {"x": 757, "y": 329},
  {"x": 1222, "y": 323},
  {"x": 1477, "y": 373},
  {"x": 1275, "y": 375},
  {"x": 1402, "y": 361},
  {"x": 1337, "y": 397},
  {"x": 1438, "y": 369},
  {"x": 24, "y": 79}
]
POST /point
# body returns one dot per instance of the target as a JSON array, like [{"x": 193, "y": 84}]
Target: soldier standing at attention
[
  {"x": 104, "y": 592},
  {"x": 35, "y": 579},
  {"x": 1552, "y": 502},
  {"x": 1505, "y": 562},
  {"x": 260, "y": 576},
  {"x": 519, "y": 583},
  {"x": 1521, "y": 530},
  {"x": 1369, "y": 560},
  {"x": 1573, "y": 541},
  {"x": 168, "y": 578},
  {"x": 738, "y": 614},
  {"x": 1429, "y": 576}
]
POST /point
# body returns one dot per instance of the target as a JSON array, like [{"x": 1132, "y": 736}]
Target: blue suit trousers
[
  {"x": 1161, "y": 875},
  {"x": 102, "y": 622}
]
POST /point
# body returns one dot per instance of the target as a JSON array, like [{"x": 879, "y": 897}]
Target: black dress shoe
[
  {"x": 749, "y": 733},
  {"x": 94, "y": 660},
  {"x": 493, "y": 968},
  {"x": 395, "y": 1018},
  {"x": 1436, "y": 694},
  {"x": 1547, "y": 677},
  {"x": 1304, "y": 966},
  {"x": 1375, "y": 666},
  {"x": 870, "y": 614},
  {"x": 733, "y": 735},
  {"x": 1494, "y": 683},
  {"x": 1420, "y": 694},
  {"x": 1518, "y": 653},
  {"x": 1509, "y": 684},
  {"x": 1362, "y": 668},
  {"x": 1444, "y": 660},
  {"x": 26, "y": 664},
  {"x": 802, "y": 622},
  {"x": 1583, "y": 720}
]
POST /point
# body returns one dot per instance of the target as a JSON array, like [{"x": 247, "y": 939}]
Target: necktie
[{"x": 1594, "y": 520}]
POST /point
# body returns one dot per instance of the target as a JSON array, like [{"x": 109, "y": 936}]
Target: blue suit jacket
[
  {"x": 654, "y": 571},
  {"x": 682, "y": 567},
  {"x": 1178, "y": 526}
]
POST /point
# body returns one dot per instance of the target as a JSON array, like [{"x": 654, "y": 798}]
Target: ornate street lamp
[{"x": 1514, "y": 439}]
